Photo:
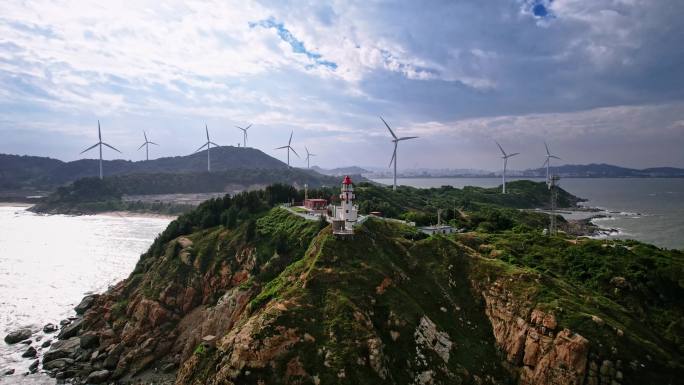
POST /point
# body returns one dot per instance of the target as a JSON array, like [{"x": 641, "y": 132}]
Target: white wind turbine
[
  {"x": 244, "y": 134},
  {"x": 308, "y": 156},
  {"x": 100, "y": 143},
  {"x": 147, "y": 146},
  {"x": 396, "y": 141},
  {"x": 208, "y": 145},
  {"x": 505, "y": 163},
  {"x": 547, "y": 162},
  {"x": 289, "y": 147}
]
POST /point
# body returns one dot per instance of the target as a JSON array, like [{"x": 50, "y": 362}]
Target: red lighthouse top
[{"x": 347, "y": 180}]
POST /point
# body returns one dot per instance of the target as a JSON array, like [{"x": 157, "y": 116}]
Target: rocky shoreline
[{"x": 71, "y": 354}]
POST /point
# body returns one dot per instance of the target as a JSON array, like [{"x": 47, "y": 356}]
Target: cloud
[{"x": 453, "y": 70}]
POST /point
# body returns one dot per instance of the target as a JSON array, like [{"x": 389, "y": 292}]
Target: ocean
[
  {"x": 650, "y": 210},
  {"x": 48, "y": 263}
]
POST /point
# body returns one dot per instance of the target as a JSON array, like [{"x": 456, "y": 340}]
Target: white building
[
  {"x": 438, "y": 229},
  {"x": 346, "y": 214}
]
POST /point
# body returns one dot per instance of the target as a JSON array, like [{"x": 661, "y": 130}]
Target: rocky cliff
[{"x": 278, "y": 299}]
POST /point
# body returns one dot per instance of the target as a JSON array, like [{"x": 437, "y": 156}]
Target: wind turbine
[
  {"x": 244, "y": 134},
  {"x": 547, "y": 163},
  {"x": 289, "y": 147},
  {"x": 100, "y": 143},
  {"x": 505, "y": 163},
  {"x": 208, "y": 145},
  {"x": 308, "y": 156},
  {"x": 147, "y": 146},
  {"x": 396, "y": 141}
]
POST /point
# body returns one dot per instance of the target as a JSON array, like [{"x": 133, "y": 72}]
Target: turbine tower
[
  {"x": 147, "y": 146},
  {"x": 308, "y": 156},
  {"x": 289, "y": 147},
  {"x": 100, "y": 143},
  {"x": 547, "y": 163},
  {"x": 396, "y": 141},
  {"x": 505, "y": 163},
  {"x": 244, "y": 134},
  {"x": 208, "y": 145}
]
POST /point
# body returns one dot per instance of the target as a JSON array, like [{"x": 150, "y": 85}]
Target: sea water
[
  {"x": 646, "y": 209},
  {"x": 48, "y": 263}
]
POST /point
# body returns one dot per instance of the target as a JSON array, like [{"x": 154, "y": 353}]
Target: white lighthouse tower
[{"x": 346, "y": 214}]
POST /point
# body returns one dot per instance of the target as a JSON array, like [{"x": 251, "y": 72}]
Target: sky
[{"x": 601, "y": 81}]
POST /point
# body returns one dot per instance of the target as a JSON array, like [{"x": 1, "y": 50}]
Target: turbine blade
[
  {"x": 112, "y": 148},
  {"x": 247, "y": 128},
  {"x": 289, "y": 142},
  {"x": 89, "y": 148},
  {"x": 215, "y": 144},
  {"x": 204, "y": 145},
  {"x": 500, "y": 148},
  {"x": 99, "y": 132},
  {"x": 554, "y": 157},
  {"x": 545, "y": 162},
  {"x": 295, "y": 152},
  {"x": 394, "y": 156},
  {"x": 547, "y": 148},
  {"x": 153, "y": 143},
  {"x": 407, "y": 138},
  {"x": 207, "y": 130},
  {"x": 512, "y": 155},
  {"x": 142, "y": 145},
  {"x": 280, "y": 148},
  {"x": 145, "y": 135},
  {"x": 388, "y": 127}
]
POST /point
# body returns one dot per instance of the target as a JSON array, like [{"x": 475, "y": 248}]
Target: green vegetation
[{"x": 357, "y": 311}]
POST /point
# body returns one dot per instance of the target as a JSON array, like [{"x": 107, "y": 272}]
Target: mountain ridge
[{"x": 18, "y": 171}]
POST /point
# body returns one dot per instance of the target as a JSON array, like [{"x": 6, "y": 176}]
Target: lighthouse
[{"x": 346, "y": 213}]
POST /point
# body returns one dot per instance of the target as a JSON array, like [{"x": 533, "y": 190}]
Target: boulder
[
  {"x": 89, "y": 340},
  {"x": 85, "y": 304},
  {"x": 64, "y": 322},
  {"x": 33, "y": 367},
  {"x": 98, "y": 377},
  {"x": 18, "y": 335},
  {"x": 50, "y": 328},
  {"x": 46, "y": 344},
  {"x": 70, "y": 330},
  {"x": 60, "y": 363},
  {"x": 30, "y": 352},
  {"x": 64, "y": 348},
  {"x": 8, "y": 372}
]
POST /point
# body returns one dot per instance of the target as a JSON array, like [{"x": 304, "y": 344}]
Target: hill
[
  {"x": 37, "y": 173},
  {"x": 605, "y": 171},
  {"x": 92, "y": 195},
  {"x": 341, "y": 171},
  {"x": 238, "y": 291}
]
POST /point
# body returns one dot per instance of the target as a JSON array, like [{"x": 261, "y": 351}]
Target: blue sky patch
[{"x": 296, "y": 44}]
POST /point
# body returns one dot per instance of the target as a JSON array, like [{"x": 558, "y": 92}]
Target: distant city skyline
[{"x": 600, "y": 80}]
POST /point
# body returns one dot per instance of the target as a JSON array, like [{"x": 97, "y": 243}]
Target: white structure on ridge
[{"x": 346, "y": 214}]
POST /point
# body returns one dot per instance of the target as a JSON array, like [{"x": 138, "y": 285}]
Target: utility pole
[{"x": 553, "y": 187}]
